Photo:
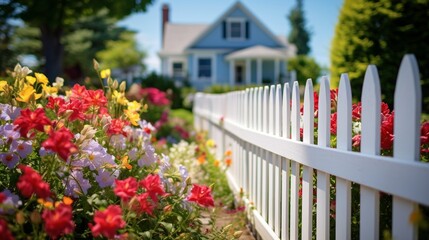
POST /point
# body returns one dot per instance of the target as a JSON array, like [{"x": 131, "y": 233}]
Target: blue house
[{"x": 236, "y": 49}]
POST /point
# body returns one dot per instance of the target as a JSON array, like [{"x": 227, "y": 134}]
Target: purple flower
[
  {"x": 23, "y": 148},
  {"x": 10, "y": 204},
  {"x": 76, "y": 184},
  {"x": 43, "y": 152},
  {"x": 9, "y": 159},
  {"x": 118, "y": 142},
  {"x": 8, "y": 112},
  {"x": 148, "y": 157},
  {"x": 8, "y": 132},
  {"x": 95, "y": 157},
  {"x": 105, "y": 178}
]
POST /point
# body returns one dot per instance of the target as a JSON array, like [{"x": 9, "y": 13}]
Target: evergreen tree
[
  {"x": 380, "y": 32},
  {"x": 299, "y": 35}
]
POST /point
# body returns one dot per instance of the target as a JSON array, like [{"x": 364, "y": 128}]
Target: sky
[{"x": 321, "y": 17}]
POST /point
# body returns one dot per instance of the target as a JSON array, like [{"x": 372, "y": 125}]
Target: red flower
[
  {"x": 386, "y": 132},
  {"x": 107, "y": 222},
  {"x": 144, "y": 204},
  {"x": 117, "y": 127},
  {"x": 78, "y": 92},
  {"x": 356, "y": 141},
  {"x": 152, "y": 184},
  {"x": 31, "y": 182},
  {"x": 60, "y": 142},
  {"x": 424, "y": 133},
  {"x": 4, "y": 231},
  {"x": 58, "y": 221},
  {"x": 201, "y": 195},
  {"x": 155, "y": 96},
  {"x": 126, "y": 189},
  {"x": 334, "y": 123},
  {"x": 356, "y": 112},
  {"x": 334, "y": 99},
  {"x": 2, "y": 197},
  {"x": 76, "y": 106},
  {"x": 55, "y": 103},
  {"x": 31, "y": 120},
  {"x": 96, "y": 98}
]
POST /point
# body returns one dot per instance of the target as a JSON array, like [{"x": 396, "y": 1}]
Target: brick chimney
[{"x": 165, "y": 19}]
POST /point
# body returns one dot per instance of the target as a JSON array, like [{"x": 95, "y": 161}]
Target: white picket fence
[{"x": 262, "y": 128}]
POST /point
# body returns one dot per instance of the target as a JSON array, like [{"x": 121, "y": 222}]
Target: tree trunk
[{"x": 53, "y": 51}]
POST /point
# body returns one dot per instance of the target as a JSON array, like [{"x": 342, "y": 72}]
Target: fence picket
[
  {"x": 344, "y": 139},
  {"x": 407, "y": 139},
  {"x": 370, "y": 144},
  {"x": 307, "y": 174},
  {"x": 270, "y": 158},
  {"x": 260, "y": 151},
  {"x": 323, "y": 191},
  {"x": 285, "y": 163},
  {"x": 278, "y": 161},
  {"x": 294, "y": 181}
]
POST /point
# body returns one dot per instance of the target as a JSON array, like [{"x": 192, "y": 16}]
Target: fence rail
[{"x": 277, "y": 170}]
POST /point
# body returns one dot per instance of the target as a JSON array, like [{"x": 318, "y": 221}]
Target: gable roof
[
  {"x": 237, "y": 5},
  {"x": 179, "y": 36}
]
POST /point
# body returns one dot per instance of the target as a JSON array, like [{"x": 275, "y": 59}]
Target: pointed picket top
[
  {"x": 278, "y": 100},
  {"x": 324, "y": 113},
  {"x": 371, "y": 104},
  {"x": 295, "y": 120},
  {"x": 408, "y": 102},
  {"x": 286, "y": 111},
  {"x": 271, "y": 113},
  {"x": 309, "y": 112},
  {"x": 344, "y": 114}
]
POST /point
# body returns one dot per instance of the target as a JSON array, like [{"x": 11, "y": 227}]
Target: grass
[{"x": 184, "y": 114}]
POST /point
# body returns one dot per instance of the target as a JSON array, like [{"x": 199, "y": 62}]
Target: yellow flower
[
  {"x": 120, "y": 98},
  {"x": 49, "y": 90},
  {"x": 125, "y": 163},
  {"x": 30, "y": 80},
  {"x": 134, "y": 106},
  {"x": 3, "y": 86},
  {"x": 27, "y": 93},
  {"x": 210, "y": 143},
  {"x": 41, "y": 78},
  {"x": 228, "y": 153},
  {"x": 105, "y": 73},
  {"x": 216, "y": 163},
  {"x": 133, "y": 117}
]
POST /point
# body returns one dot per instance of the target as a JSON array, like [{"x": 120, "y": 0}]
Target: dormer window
[{"x": 236, "y": 29}]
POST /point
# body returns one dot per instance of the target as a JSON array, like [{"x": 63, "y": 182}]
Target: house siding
[
  {"x": 257, "y": 36},
  {"x": 267, "y": 71},
  {"x": 222, "y": 69}
]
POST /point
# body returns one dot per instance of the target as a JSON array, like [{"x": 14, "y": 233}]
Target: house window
[
  {"x": 236, "y": 28},
  {"x": 177, "y": 70},
  {"x": 204, "y": 67}
]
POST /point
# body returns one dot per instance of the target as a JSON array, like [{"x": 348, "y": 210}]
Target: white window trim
[
  {"x": 183, "y": 67},
  {"x": 243, "y": 28},
  {"x": 212, "y": 79}
]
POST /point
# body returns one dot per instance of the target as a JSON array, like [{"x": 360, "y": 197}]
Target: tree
[
  {"x": 53, "y": 18},
  {"x": 380, "y": 32},
  {"x": 305, "y": 67},
  {"x": 299, "y": 35},
  {"x": 123, "y": 53}
]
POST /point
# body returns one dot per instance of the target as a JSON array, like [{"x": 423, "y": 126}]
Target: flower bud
[
  {"x": 238, "y": 234},
  {"x": 122, "y": 86},
  {"x": 115, "y": 85},
  {"x": 20, "y": 217},
  {"x": 35, "y": 217},
  {"x": 168, "y": 208},
  {"x": 95, "y": 64}
]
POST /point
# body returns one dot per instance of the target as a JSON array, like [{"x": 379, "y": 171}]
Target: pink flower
[
  {"x": 201, "y": 195},
  {"x": 107, "y": 222},
  {"x": 58, "y": 221},
  {"x": 126, "y": 189}
]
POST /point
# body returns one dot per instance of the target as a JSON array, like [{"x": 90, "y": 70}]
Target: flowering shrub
[{"x": 82, "y": 165}]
